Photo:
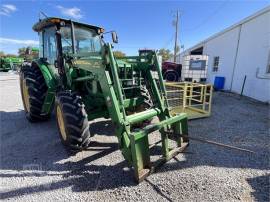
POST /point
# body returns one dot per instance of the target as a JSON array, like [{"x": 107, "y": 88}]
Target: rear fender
[
  {"x": 48, "y": 75},
  {"x": 51, "y": 82}
]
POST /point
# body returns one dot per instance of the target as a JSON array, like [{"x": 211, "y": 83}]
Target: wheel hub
[
  {"x": 61, "y": 123},
  {"x": 171, "y": 76},
  {"x": 26, "y": 96}
]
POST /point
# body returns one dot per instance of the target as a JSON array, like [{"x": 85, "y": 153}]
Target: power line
[
  {"x": 168, "y": 42},
  {"x": 208, "y": 18}
]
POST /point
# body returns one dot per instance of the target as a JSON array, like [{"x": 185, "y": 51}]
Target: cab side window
[
  {"x": 66, "y": 40},
  {"x": 40, "y": 34},
  {"x": 50, "y": 45}
]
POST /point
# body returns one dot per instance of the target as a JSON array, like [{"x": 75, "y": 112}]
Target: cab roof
[{"x": 51, "y": 21}]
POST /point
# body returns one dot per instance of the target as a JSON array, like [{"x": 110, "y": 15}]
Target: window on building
[
  {"x": 268, "y": 64},
  {"x": 215, "y": 63}
]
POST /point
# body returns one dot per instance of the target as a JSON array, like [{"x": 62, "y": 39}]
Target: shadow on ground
[
  {"x": 25, "y": 144},
  {"x": 261, "y": 187}
]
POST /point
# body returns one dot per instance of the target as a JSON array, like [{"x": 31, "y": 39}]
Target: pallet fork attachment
[{"x": 140, "y": 147}]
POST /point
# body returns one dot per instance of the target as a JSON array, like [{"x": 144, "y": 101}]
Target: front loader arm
[{"x": 134, "y": 144}]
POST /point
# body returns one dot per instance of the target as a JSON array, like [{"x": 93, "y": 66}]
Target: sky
[{"x": 139, "y": 24}]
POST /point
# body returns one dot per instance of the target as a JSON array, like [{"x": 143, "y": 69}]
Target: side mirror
[{"x": 114, "y": 37}]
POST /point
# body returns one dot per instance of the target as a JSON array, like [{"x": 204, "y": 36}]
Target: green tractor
[
  {"x": 10, "y": 63},
  {"x": 78, "y": 75}
]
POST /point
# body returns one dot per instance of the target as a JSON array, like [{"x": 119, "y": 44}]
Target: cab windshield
[{"x": 86, "y": 41}]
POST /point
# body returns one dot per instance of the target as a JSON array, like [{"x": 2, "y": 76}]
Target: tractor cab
[
  {"x": 62, "y": 37},
  {"x": 145, "y": 52}
]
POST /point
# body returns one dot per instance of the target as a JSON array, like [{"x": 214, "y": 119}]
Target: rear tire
[
  {"x": 33, "y": 92},
  {"x": 72, "y": 121}
]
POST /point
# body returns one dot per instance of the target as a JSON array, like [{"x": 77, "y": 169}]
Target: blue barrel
[{"x": 219, "y": 82}]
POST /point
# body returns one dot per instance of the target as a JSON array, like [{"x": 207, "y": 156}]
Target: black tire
[
  {"x": 147, "y": 103},
  {"x": 171, "y": 75},
  {"x": 33, "y": 92},
  {"x": 75, "y": 134}
]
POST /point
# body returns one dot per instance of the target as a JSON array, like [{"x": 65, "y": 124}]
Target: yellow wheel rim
[
  {"x": 25, "y": 96},
  {"x": 61, "y": 122}
]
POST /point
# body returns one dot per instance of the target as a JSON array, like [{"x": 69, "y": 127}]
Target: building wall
[
  {"x": 253, "y": 53},
  {"x": 225, "y": 47}
]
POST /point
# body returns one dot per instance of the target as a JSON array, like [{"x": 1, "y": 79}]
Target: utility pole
[{"x": 176, "y": 36}]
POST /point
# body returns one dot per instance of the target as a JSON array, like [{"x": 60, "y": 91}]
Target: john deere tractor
[
  {"x": 78, "y": 75},
  {"x": 10, "y": 63}
]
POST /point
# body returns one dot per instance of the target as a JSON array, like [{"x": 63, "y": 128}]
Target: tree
[
  {"x": 119, "y": 54},
  {"x": 21, "y": 52},
  {"x": 28, "y": 53},
  {"x": 2, "y": 54},
  {"x": 11, "y": 55},
  {"x": 165, "y": 54}
]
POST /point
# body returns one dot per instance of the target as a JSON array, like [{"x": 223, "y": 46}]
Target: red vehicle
[{"x": 171, "y": 71}]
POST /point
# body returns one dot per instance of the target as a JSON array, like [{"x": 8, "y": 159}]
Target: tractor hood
[
  {"x": 122, "y": 63},
  {"x": 97, "y": 62}
]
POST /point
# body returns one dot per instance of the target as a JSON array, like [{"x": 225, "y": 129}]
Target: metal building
[{"x": 241, "y": 54}]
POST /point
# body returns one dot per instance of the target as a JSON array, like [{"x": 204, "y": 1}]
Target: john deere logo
[
  {"x": 95, "y": 64},
  {"x": 83, "y": 62}
]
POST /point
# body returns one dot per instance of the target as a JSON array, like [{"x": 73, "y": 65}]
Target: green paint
[
  {"x": 111, "y": 88},
  {"x": 10, "y": 63}
]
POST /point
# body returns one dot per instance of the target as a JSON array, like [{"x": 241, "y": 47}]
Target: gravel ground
[{"x": 35, "y": 166}]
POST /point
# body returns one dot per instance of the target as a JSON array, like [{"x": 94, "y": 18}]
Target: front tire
[
  {"x": 147, "y": 101},
  {"x": 72, "y": 121},
  {"x": 171, "y": 76},
  {"x": 146, "y": 105}
]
